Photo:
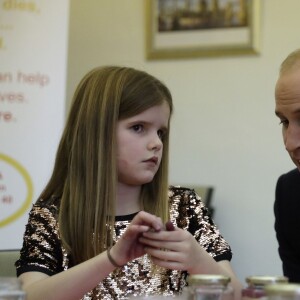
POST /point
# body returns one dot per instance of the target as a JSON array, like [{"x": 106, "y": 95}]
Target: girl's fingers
[
  {"x": 143, "y": 218},
  {"x": 168, "y": 259},
  {"x": 170, "y": 226},
  {"x": 172, "y": 265},
  {"x": 158, "y": 244},
  {"x": 163, "y": 254},
  {"x": 134, "y": 231},
  {"x": 176, "y": 235},
  {"x": 177, "y": 246}
]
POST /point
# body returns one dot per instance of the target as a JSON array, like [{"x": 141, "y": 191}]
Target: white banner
[{"x": 33, "y": 61}]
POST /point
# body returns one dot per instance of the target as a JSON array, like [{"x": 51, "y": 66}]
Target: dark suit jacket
[{"x": 287, "y": 223}]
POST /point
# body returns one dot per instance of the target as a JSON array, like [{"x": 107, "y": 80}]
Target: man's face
[{"x": 287, "y": 95}]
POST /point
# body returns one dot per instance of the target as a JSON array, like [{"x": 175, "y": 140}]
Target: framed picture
[{"x": 195, "y": 28}]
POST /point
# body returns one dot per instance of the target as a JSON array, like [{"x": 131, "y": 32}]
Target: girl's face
[{"x": 140, "y": 146}]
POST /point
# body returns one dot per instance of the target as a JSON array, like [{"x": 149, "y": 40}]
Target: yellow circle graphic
[{"x": 22, "y": 171}]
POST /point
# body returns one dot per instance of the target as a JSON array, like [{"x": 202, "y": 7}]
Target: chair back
[
  {"x": 206, "y": 194},
  {"x": 7, "y": 262}
]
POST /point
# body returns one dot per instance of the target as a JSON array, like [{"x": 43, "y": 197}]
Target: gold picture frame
[{"x": 198, "y": 28}]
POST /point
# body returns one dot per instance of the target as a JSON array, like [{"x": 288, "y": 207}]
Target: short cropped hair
[{"x": 292, "y": 61}]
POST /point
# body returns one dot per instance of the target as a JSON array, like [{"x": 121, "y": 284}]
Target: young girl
[{"x": 98, "y": 229}]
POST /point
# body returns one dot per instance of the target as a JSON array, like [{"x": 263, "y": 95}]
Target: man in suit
[
  {"x": 287, "y": 196},
  {"x": 287, "y": 223}
]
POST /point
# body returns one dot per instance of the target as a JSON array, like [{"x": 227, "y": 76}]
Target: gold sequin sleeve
[
  {"x": 188, "y": 212},
  {"x": 41, "y": 250}
]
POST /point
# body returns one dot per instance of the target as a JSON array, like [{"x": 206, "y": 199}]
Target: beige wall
[{"x": 224, "y": 132}]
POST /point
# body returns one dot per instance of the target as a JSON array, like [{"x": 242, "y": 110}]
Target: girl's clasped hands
[{"x": 169, "y": 246}]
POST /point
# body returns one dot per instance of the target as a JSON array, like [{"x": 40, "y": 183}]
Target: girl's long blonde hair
[{"x": 85, "y": 172}]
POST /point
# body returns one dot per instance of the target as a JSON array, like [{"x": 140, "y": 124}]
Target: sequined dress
[{"x": 42, "y": 250}]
